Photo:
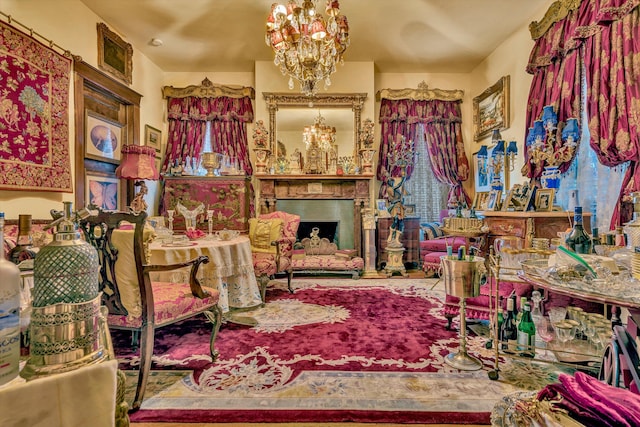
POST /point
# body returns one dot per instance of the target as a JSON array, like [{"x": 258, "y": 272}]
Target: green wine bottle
[{"x": 526, "y": 333}]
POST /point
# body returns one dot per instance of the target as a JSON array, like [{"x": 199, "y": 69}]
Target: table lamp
[{"x": 138, "y": 163}]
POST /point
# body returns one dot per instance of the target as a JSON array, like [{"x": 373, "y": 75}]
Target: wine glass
[
  {"x": 563, "y": 332},
  {"x": 546, "y": 332}
]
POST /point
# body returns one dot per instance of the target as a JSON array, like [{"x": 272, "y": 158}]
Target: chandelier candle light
[
  {"x": 306, "y": 45},
  {"x": 546, "y": 147}
]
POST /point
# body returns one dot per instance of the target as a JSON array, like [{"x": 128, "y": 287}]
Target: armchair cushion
[
  {"x": 169, "y": 304},
  {"x": 125, "y": 269},
  {"x": 431, "y": 230},
  {"x": 262, "y": 232},
  {"x": 290, "y": 225}
]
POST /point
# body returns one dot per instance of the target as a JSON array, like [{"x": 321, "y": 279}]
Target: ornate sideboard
[
  {"x": 527, "y": 225},
  {"x": 318, "y": 187},
  {"x": 228, "y": 196}
]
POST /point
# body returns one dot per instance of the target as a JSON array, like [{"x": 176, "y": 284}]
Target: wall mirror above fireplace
[{"x": 290, "y": 113}]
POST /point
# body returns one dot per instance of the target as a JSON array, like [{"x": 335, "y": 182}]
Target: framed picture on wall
[
  {"x": 481, "y": 174},
  {"x": 381, "y": 207},
  {"x": 491, "y": 109},
  {"x": 103, "y": 191},
  {"x": 103, "y": 138},
  {"x": 115, "y": 56},
  {"x": 152, "y": 137}
]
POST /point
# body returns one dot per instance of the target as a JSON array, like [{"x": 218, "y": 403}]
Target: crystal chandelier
[
  {"x": 306, "y": 45},
  {"x": 320, "y": 134}
]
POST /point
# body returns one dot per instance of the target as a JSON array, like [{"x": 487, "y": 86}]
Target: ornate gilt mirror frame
[{"x": 276, "y": 100}]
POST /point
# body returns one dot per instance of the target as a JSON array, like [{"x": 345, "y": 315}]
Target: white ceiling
[{"x": 436, "y": 36}]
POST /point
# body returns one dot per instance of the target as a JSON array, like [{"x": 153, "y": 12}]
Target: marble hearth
[{"x": 328, "y": 194}]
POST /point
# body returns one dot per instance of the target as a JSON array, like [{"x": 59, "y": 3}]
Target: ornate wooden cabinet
[
  {"x": 410, "y": 240},
  {"x": 228, "y": 196},
  {"x": 527, "y": 225}
]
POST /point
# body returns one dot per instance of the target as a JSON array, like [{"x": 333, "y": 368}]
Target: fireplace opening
[{"x": 328, "y": 229}]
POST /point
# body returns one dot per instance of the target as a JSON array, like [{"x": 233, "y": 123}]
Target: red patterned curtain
[
  {"x": 188, "y": 119},
  {"x": 441, "y": 122},
  {"x": 555, "y": 62},
  {"x": 601, "y": 37},
  {"x": 612, "y": 56}
]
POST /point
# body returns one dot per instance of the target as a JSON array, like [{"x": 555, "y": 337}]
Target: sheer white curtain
[
  {"x": 426, "y": 192},
  {"x": 598, "y": 185}
]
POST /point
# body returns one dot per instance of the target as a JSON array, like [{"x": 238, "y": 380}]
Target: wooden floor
[{"x": 296, "y": 425}]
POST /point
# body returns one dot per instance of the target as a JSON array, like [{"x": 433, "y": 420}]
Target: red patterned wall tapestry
[{"x": 34, "y": 114}]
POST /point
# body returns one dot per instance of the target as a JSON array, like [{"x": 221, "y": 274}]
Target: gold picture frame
[
  {"x": 152, "y": 137},
  {"x": 480, "y": 200},
  {"x": 491, "y": 109},
  {"x": 544, "y": 199},
  {"x": 115, "y": 56},
  {"x": 493, "y": 200}
]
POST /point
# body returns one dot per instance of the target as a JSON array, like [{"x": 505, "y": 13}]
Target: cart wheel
[
  {"x": 610, "y": 368},
  {"x": 488, "y": 344},
  {"x": 493, "y": 375}
]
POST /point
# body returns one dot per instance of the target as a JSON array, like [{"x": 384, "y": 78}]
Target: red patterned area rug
[{"x": 336, "y": 350}]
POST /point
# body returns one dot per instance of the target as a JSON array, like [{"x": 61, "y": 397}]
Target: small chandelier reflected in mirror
[
  {"x": 307, "y": 46},
  {"x": 319, "y": 134}
]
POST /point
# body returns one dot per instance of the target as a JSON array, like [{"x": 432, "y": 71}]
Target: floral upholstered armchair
[
  {"x": 136, "y": 303},
  {"x": 272, "y": 238}
]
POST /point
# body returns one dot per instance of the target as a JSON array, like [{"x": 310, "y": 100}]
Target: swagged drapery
[
  {"x": 188, "y": 111},
  {"x": 601, "y": 37},
  {"x": 401, "y": 111}
]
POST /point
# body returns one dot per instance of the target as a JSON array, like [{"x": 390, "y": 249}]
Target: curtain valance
[
  {"x": 210, "y": 109},
  {"x": 568, "y": 23}
]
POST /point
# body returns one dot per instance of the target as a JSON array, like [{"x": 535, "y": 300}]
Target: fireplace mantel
[{"x": 318, "y": 187}]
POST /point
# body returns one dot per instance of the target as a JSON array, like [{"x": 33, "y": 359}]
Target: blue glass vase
[{"x": 550, "y": 177}]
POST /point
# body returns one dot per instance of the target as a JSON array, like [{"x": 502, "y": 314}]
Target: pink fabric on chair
[
  {"x": 440, "y": 244},
  {"x": 268, "y": 265},
  {"x": 431, "y": 263},
  {"x": 478, "y": 307},
  {"x": 169, "y": 304}
]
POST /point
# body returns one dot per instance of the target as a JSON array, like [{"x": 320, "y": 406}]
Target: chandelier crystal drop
[{"x": 307, "y": 46}]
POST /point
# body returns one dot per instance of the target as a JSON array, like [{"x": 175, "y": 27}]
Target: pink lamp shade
[{"x": 138, "y": 162}]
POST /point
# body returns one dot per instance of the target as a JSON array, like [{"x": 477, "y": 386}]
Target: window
[{"x": 425, "y": 191}]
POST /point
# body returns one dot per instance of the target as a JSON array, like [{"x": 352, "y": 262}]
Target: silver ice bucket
[
  {"x": 66, "y": 336},
  {"x": 462, "y": 277}
]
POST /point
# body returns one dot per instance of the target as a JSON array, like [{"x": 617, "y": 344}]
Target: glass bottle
[
  {"x": 9, "y": 315},
  {"x": 536, "y": 312},
  {"x": 526, "y": 333},
  {"x": 523, "y": 301},
  {"x": 509, "y": 332},
  {"x": 595, "y": 239},
  {"x": 578, "y": 240},
  {"x": 24, "y": 243},
  {"x": 620, "y": 240}
]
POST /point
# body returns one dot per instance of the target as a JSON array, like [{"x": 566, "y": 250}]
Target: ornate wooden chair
[
  {"x": 136, "y": 303},
  {"x": 272, "y": 238}
]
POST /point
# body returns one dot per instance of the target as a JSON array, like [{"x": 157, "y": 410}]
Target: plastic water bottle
[{"x": 9, "y": 315}]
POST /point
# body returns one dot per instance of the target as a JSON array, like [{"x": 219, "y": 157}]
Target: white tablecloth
[
  {"x": 79, "y": 398},
  {"x": 230, "y": 268}
]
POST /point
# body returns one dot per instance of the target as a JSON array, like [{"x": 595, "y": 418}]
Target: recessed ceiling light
[{"x": 156, "y": 42}]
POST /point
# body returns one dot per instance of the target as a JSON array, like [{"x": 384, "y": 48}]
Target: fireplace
[
  {"x": 327, "y": 229},
  {"x": 320, "y": 198}
]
